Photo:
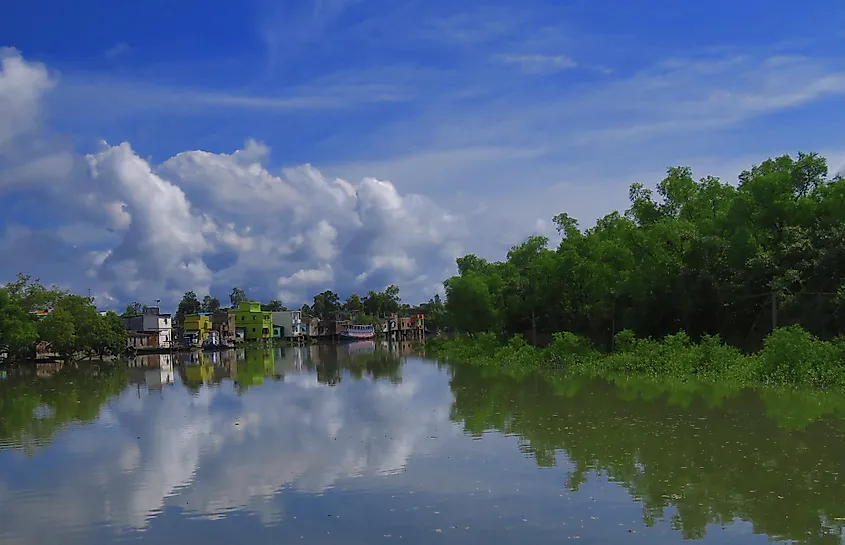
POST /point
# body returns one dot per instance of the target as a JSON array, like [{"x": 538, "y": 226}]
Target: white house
[
  {"x": 290, "y": 321},
  {"x": 152, "y": 321}
]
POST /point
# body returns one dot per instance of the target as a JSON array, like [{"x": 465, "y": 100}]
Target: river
[{"x": 368, "y": 444}]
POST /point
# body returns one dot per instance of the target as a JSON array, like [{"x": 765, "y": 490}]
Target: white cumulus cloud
[{"x": 129, "y": 229}]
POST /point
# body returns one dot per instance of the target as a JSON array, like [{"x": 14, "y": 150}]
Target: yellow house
[{"x": 197, "y": 328}]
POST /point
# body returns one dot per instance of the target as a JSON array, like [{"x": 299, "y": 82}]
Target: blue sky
[{"x": 505, "y": 113}]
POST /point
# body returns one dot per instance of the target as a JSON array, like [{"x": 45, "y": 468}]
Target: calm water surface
[{"x": 363, "y": 444}]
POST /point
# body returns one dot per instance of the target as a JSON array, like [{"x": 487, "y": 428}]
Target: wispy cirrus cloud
[
  {"x": 480, "y": 26},
  {"x": 536, "y": 63},
  {"x": 117, "y": 50}
]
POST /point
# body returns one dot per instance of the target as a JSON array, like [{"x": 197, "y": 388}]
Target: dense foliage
[
  {"x": 72, "y": 327},
  {"x": 790, "y": 355},
  {"x": 704, "y": 257}
]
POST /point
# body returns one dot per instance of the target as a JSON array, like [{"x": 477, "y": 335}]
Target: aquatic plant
[{"x": 790, "y": 356}]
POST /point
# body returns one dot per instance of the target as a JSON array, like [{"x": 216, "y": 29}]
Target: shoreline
[{"x": 790, "y": 357}]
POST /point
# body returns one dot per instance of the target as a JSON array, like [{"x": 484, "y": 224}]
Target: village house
[
  {"x": 223, "y": 322},
  {"x": 313, "y": 327},
  {"x": 288, "y": 323},
  {"x": 154, "y": 322},
  {"x": 196, "y": 329},
  {"x": 405, "y": 327},
  {"x": 252, "y": 323},
  {"x": 142, "y": 339}
]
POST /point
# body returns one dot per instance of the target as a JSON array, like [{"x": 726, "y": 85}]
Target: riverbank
[{"x": 790, "y": 356}]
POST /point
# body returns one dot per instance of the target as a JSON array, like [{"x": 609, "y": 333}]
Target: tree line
[
  {"x": 327, "y": 305},
  {"x": 700, "y": 256},
  {"x": 73, "y": 327}
]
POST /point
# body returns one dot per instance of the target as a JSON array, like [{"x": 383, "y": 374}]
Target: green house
[{"x": 252, "y": 323}]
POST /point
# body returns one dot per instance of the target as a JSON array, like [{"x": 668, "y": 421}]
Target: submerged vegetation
[{"x": 790, "y": 355}]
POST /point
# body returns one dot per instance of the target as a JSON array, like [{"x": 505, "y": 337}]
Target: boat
[
  {"x": 357, "y": 332},
  {"x": 360, "y": 347}
]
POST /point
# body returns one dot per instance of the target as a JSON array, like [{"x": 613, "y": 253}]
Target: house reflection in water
[
  {"x": 289, "y": 359},
  {"x": 153, "y": 371},
  {"x": 198, "y": 368},
  {"x": 244, "y": 368}
]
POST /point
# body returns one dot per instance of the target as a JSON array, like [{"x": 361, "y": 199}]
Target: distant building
[
  {"x": 252, "y": 323},
  {"x": 142, "y": 339},
  {"x": 289, "y": 323},
  {"x": 152, "y": 321},
  {"x": 312, "y": 326},
  {"x": 410, "y": 327},
  {"x": 196, "y": 328},
  {"x": 223, "y": 322}
]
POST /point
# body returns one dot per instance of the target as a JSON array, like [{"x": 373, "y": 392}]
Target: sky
[{"x": 292, "y": 147}]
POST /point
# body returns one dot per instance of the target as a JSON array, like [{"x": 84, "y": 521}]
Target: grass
[{"x": 790, "y": 356}]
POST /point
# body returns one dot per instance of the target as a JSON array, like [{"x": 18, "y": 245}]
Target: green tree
[
  {"x": 188, "y": 305},
  {"x": 372, "y": 303},
  {"x": 702, "y": 256},
  {"x": 384, "y": 302},
  {"x": 31, "y": 295},
  {"x": 110, "y": 337},
  {"x": 435, "y": 313},
  {"x": 132, "y": 309},
  {"x": 237, "y": 297},
  {"x": 210, "y": 304},
  {"x": 18, "y": 331},
  {"x": 470, "y": 304},
  {"x": 58, "y": 330},
  {"x": 326, "y": 304},
  {"x": 86, "y": 324},
  {"x": 391, "y": 301},
  {"x": 353, "y": 303},
  {"x": 274, "y": 306}
]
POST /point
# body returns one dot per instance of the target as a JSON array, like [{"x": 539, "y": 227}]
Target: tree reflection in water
[{"x": 710, "y": 454}]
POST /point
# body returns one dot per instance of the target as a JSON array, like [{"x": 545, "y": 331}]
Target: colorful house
[
  {"x": 406, "y": 327},
  {"x": 152, "y": 321},
  {"x": 289, "y": 324},
  {"x": 252, "y": 323},
  {"x": 196, "y": 328},
  {"x": 223, "y": 322}
]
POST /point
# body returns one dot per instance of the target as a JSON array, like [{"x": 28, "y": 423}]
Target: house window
[
  {"x": 253, "y": 330},
  {"x": 253, "y": 317}
]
